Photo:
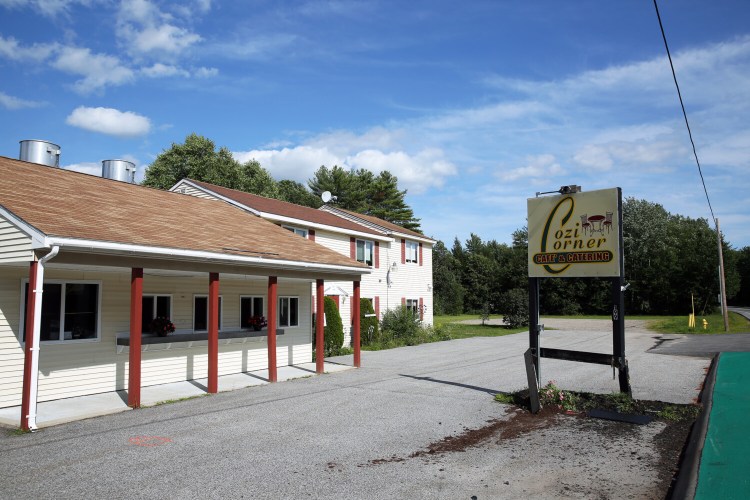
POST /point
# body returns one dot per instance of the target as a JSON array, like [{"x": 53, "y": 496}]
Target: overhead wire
[{"x": 684, "y": 113}]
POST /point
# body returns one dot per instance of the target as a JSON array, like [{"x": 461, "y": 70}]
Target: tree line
[
  {"x": 668, "y": 258},
  {"x": 357, "y": 190}
]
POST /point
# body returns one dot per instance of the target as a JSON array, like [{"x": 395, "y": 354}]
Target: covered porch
[
  {"x": 141, "y": 368},
  {"x": 66, "y": 410}
]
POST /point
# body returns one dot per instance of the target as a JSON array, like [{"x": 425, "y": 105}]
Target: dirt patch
[{"x": 661, "y": 453}]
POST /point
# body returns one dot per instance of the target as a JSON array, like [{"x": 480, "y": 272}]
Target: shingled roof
[
  {"x": 388, "y": 227},
  {"x": 66, "y": 204},
  {"x": 284, "y": 208}
]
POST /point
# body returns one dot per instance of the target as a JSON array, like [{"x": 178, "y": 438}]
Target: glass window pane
[
  {"x": 246, "y": 311},
  {"x": 283, "y": 312},
  {"x": 81, "y": 304},
  {"x": 50, "y": 322},
  {"x": 258, "y": 306},
  {"x": 361, "y": 251},
  {"x": 164, "y": 306},
  {"x": 293, "y": 311},
  {"x": 200, "y": 313},
  {"x": 147, "y": 313}
]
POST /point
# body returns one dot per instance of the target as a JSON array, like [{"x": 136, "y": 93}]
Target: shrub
[
  {"x": 400, "y": 323},
  {"x": 334, "y": 330},
  {"x": 516, "y": 308},
  {"x": 366, "y": 336}
]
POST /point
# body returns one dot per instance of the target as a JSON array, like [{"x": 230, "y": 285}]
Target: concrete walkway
[{"x": 71, "y": 409}]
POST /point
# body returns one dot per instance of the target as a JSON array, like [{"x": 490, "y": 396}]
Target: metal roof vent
[
  {"x": 42, "y": 152},
  {"x": 119, "y": 170}
]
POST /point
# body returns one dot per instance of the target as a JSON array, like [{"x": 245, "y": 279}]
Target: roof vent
[
  {"x": 42, "y": 152},
  {"x": 119, "y": 170}
]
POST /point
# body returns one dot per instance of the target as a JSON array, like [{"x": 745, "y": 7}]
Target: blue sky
[{"x": 474, "y": 105}]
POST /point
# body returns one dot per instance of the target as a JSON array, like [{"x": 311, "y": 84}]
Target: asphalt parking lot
[{"x": 367, "y": 433}]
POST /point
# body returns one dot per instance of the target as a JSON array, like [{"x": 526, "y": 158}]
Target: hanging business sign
[{"x": 575, "y": 235}]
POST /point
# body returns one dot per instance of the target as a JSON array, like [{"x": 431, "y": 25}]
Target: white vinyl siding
[
  {"x": 184, "y": 188},
  {"x": 15, "y": 246},
  {"x": 68, "y": 369}
]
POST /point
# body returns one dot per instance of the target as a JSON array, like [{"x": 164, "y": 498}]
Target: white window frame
[
  {"x": 254, "y": 313},
  {"x": 278, "y": 312},
  {"x": 365, "y": 245},
  {"x": 221, "y": 312},
  {"x": 296, "y": 230},
  {"x": 154, "y": 296},
  {"x": 22, "y": 322},
  {"x": 412, "y": 247}
]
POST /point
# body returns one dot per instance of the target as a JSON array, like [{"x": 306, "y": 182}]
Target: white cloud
[
  {"x": 10, "y": 49},
  {"x": 164, "y": 38},
  {"x": 297, "y": 163},
  {"x": 159, "y": 70},
  {"x": 252, "y": 48},
  {"x": 536, "y": 167},
  {"x": 98, "y": 70},
  {"x": 88, "y": 167},
  {"x": 416, "y": 172},
  {"x": 49, "y": 8},
  {"x": 145, "y": 30},
  {"x": 426, "y": 169},
  {"x": 205, "y": 72},
  {"x": 109, "y": 121},
  {"x": 10, "y": 102}
]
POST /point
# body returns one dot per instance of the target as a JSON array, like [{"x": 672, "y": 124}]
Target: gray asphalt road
[{"x": 363, "y": 433}]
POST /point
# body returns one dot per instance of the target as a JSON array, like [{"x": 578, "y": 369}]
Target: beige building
[{"x": 104, "y": 258}]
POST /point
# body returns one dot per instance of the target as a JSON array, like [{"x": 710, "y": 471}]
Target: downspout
[{"x": 38, "y": 290}]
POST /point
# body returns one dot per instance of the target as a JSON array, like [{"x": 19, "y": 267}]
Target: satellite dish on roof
[{"x": 326, "y": 196}]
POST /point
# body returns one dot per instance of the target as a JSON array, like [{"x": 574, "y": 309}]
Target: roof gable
[{"x": 284, "y": 208}]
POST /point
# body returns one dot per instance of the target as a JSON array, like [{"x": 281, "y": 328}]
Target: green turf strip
[{"x": 725, "y": 462}]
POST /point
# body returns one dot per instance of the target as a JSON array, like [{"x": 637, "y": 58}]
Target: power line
[{"x": 684, "y": 113}]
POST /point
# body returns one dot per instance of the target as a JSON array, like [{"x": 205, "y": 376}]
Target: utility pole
[{"x": 722, "y": 283}]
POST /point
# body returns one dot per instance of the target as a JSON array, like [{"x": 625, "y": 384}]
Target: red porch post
[
  {"x": 272, "y": 300},
  {"x": 28, "y": 348},
  {"x": 134, "y": 356},
  {"x": 213, "y": 333},
  {"x": 319, "y": 326},
  {"x": 355, "y": 314}
]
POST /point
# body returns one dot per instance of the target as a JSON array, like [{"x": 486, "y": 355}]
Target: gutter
[
  {"x": 200, "y": 255},
  {"x": 34, "y": 382}
]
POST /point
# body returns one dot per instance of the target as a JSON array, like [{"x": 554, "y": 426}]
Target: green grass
[
  {"x": 461, "y": 331},
  {"x": 450, "y": 325},
  {"x": 447, "y": 318},
  {"x": 679, "y": 324}
]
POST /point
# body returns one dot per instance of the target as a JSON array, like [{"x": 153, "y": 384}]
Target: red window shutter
[
  {"x": 311, "y": 235},
  {"x": 420, "y": 253},
  {"x": 403, "y": 251},
  {"x": 336, "y": 300},
  {"x": 377, "y": 307},
  {"x": 352, "y": 248},
  {"x": 377, "y": 254},
  {"x": 403, "y": 301},
  {"x": 314, "y": 303},
  {"x": 421, "y": 309}
]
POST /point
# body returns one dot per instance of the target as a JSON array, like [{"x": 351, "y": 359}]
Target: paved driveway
[{"x": 365, "y": 433}]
